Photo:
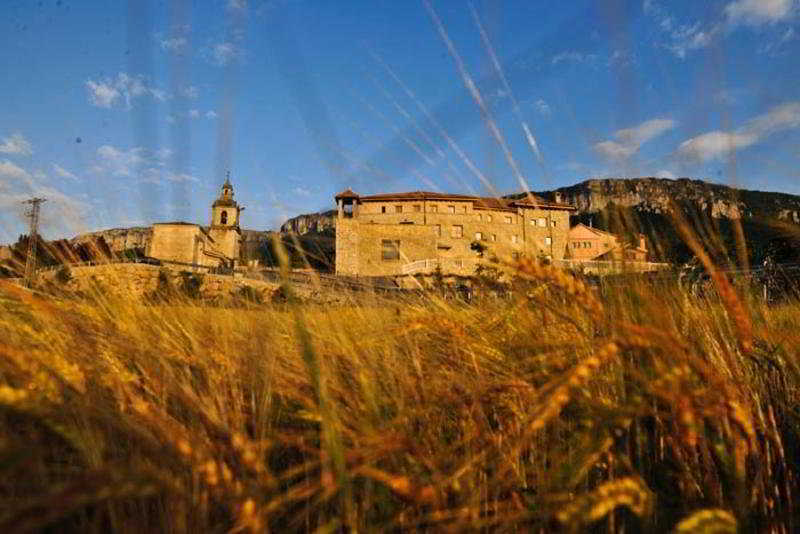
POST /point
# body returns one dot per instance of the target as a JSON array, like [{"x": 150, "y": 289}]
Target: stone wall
[{"x": 136, "y": 280}]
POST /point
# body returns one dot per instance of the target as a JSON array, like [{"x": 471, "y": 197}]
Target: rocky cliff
[
  {"x": 653, "y": 195},
  {"x": 119, "y": 239},
  {"x": 310, "y": 223}
]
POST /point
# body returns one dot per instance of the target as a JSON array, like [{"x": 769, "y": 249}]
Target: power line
[{"x": 33, "y": 238}]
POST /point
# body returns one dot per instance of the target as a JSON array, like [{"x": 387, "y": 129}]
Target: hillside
[{"x": 642, "y": 205}]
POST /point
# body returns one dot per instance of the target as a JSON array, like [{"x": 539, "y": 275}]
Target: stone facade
[
  {"x": 404, "y": 233},
  {"x": 591, "y": 244}
]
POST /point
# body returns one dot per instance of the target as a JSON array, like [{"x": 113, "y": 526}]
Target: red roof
[{"x": 479, "y": 202}]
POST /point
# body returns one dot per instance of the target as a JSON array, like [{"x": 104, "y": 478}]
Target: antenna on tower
[{"x": 33, "y": 238}]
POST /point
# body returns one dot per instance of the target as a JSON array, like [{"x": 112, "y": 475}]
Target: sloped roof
[{"x": 479, "y": 202}]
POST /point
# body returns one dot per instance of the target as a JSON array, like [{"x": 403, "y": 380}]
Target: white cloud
[
  {"x": 190, "y": 92},
  {"x": 16, "y": 144},
  {"x": 63, "y": 173},
  {"x": 665, "y": 174},
  {"x": 757, "y": 12},
  {"x": 542, "y": 107},
  {"x": 105, "y": 93},
  {"x": 174, "y": 44},
  {"x": 139, "y": 163},
  {"x": 194, "y": 113},
  {"x": 572, "y": 57},
  {"x": 629, "y": 140},
  {"x": 102, "y": 94},
  {"x": 237, "y": 5},
  {"x": 211, "y": 114},
  {"x": 11, "y": 170},
  {"x": 719, "y": 144},
  {"x": 680, "y": 38},
  {"x": 301, "y": 191},
  {"x": 119, "y": 162},
  {"x": 224, "y": 53}
]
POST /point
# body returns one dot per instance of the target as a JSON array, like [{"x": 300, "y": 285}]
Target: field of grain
[{"x": 632, "y": 408}]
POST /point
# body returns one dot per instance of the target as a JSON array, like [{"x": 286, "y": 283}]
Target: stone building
[
  {"x": 215, "y": 246},
  {"x": 416, "y": 232},
  {"x": 585, "y": 243}
]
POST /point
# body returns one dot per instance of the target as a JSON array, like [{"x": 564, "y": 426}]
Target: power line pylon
[{"x": 33, "y": 238}]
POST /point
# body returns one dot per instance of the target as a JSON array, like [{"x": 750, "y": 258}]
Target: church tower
[{"x": 224, "y": 228}]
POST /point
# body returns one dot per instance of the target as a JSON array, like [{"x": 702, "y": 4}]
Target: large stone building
[
  {"x": 408, "y": 233},
  {"x": 193, "y": 245}
]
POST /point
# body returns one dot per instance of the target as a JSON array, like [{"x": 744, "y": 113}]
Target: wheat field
[{"x": 566, "y": 407}]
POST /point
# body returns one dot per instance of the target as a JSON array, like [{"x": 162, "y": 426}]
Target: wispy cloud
[
  {"x": 108, "y": 92},
  {"x": 194, "y": 113},
  {"x": 138, "y": 163},
  {"x": 211, "y": 114},
  {"x": 61, "y": 172},
  {"x": 682, "y": 38},
  {"x": 542, "y": 107},
  {"x": 758, "y": 12},
  {"x": 190, "y": 91},
  {"x": 719, "y": 144},
  {"x": 9, "y": 169},
  {"x": 629, "y": 140},
  {"x": 16, "y": 144},
  {"x": 571, "y": 56},
  {"x": 174, "y": 44},
  {"x": 225, "y": 53}
]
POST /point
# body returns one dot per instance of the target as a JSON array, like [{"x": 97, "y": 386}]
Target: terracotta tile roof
[{"x": 479, "y": 202}]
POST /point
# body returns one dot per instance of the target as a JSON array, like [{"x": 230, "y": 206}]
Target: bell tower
[{"x": 224, "y": 228}]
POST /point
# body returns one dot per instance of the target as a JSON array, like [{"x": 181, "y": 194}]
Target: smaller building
[
  {"x": 218, "y": 245},
  {"x": 598, "y": 251}
]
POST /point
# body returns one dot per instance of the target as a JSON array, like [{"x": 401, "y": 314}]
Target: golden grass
[{"x": 639, "y": 408}]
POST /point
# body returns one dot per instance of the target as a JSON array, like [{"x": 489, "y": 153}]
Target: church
[{"x": 215, "y": 246}]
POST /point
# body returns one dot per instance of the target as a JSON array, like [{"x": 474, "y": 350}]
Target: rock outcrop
[
  {"x": 119, "y": 239},
  {"x": 310, "y": 223},
  {"x": 654, "y": 195}
]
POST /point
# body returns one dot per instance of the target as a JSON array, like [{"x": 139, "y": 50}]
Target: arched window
[{"x": 223, "y": 217}]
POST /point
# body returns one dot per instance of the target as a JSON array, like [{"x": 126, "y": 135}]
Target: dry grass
[{"x": 639, "y": 409}]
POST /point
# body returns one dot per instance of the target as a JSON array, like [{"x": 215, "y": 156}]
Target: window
[
  {"x": 417, "y": 208},
  {"x": 575, "y": 244},
  {"x": 514, "y": 239},
  {"x": 548, "y": 240},
  {"x": 398, "y": 209},
  {"x": 587, "y": 244},
  {"x": 553, "y": 224},
  {"x": 488, "y": 217},
  {"x": 478, "y": 236},
  {"x": 451, "y": 209},
  {"x": 542, "y": 222},
  {"x": 433, "y": 209},
  {"x": 480, "y": 216},
  {"x": 458, "y": 263},
  {"x": 457, "y": 231},
  {"x": 390, "y": 250},
  {"x": 438, "y": 230},
  {"x": 223, "y": 217},
  {"x": 493, "y": 237},
  {"x": 383, "y": 209},
  {"x": 465, "y": 209},
  {"x": 507, "y": 218}
]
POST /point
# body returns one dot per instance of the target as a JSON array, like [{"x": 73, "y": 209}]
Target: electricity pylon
[{"x": 33, "y": 238}]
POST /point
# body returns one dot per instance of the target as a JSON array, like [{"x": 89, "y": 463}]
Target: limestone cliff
[
  {"x": 119, "y": 239},
  {"x": 653, "y": 195},
  {"x": 310, "y": 223}
]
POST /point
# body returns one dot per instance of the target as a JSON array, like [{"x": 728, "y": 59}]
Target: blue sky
[{"x": 128, "y": 113}]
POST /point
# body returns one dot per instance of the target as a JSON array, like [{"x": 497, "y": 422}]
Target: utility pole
[{"x": 33, "y": 237}]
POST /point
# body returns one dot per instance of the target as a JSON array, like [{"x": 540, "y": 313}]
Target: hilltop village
[{"x": 377, "y": 236}]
